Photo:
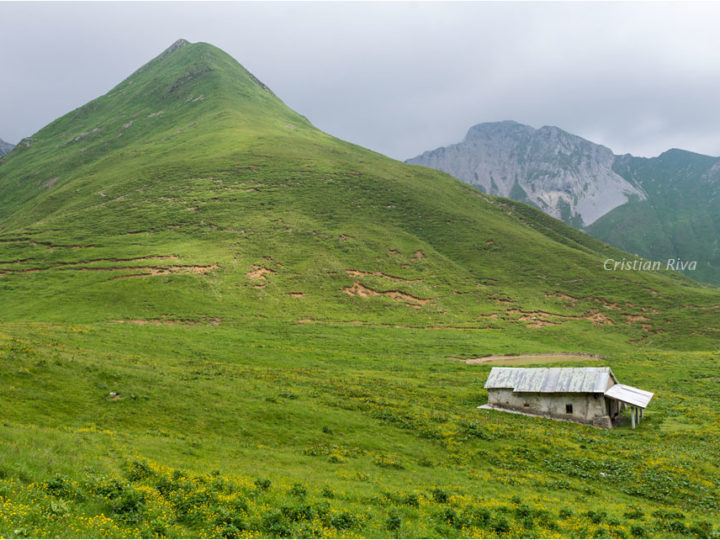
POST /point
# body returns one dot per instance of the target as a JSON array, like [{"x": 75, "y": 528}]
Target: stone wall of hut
[{"x": 587, "y": 408}]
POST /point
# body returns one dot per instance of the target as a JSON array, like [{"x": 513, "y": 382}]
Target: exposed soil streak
[
  {"x": 168, "y": 322},
  {"x": 634, "y": 318},
  {"x": 360, "y": 273},
  {"x": 557, "y": 357},
  {"x": 89, "y": 261},
  {"x": 73, "y": 265},
  {"x": 358, "y": 289},
  {"x": 258, "y": 272},
  {"x": 404, "y": 327},
  {"x": 535, "y": 318},
  {"x": 157, "y": 270},
  {"x": 19, "y": 261},
  {"x": 574, "y": 300},
  {"x": 49, "y": 245}
]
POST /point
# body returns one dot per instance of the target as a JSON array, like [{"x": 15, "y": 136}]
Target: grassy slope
[
  {"x": 350, "y": 396},
  {"x": 678, "y": 220}
]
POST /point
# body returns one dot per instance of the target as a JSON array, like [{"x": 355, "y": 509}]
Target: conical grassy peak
[
  {"x": 171, "y": 105},
  {"x": 194, "y": 167}
]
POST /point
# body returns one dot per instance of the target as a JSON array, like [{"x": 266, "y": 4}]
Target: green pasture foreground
[{"x": 257, "y": 429}]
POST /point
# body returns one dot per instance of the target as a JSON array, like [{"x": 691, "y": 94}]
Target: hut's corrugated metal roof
[
  {"x": 566, "y": 380},
  {"x": 629, "y": 394}
]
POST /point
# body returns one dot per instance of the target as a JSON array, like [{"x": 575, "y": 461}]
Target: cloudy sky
[{"x": 400, "y": 78}]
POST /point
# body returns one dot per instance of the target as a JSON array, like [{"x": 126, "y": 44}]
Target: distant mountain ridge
[
  {"x": 660, "y": 208},
  {"x": 5, "y": 147},
  {"x": 564, "y": 175}
]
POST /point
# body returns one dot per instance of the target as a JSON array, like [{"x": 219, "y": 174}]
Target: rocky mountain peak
[
  {"x": 5, "y": 147},
  {"x": 175, "y": 46},
  {"x": 565, "y": 175},
  {"x": 494, "y": 129}
]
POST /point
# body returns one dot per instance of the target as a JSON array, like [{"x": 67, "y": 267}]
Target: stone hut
[{"x": 590, "y": 395}]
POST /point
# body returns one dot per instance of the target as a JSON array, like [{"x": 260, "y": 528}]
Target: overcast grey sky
[{"x": 399, "y": 78}]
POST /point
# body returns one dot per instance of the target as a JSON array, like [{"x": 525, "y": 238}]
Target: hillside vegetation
[
  {"x": 680, "y": 218},
  {"x": 663, "y": 208},
  {"x": 219, "y": 321}
]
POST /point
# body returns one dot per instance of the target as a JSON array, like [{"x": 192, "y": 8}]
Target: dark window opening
[
  {"x": 526, "y": 405},
  {"x": 568, "y": 408}
]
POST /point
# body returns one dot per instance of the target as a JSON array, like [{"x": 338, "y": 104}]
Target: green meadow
[{"x": 218, "y": 321}]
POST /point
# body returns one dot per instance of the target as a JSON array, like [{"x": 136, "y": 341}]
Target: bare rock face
[
  {"x": 5, "y": 147},
  {"x": 566, "y": 176}
]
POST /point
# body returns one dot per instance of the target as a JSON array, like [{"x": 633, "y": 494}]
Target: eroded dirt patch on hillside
[
  {"x": 48, "y": 245},
  {"x": 50, "y": 183},
  {"x": 358, "y": 289},
  {"x": 389, "y": 325},
  {"x": 522, "y": 359},
  {"x": 693, "y": 306},
  {"x": 149, "y": 271},
  {"x": 448, "y": 327},
  {"x": 169, "y": 322},
  {"x": 635, "y": 318},
  {"x": 574, "y": 300},
  {"x": 259, "y": 272},
  {"x": 136, "y": 271},
  {"x": 537, "y": 319},
  {"x": 360, "y": 273},
  {"x": 60, "y": 264}
]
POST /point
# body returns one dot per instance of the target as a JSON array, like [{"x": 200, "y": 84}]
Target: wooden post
[
  {"x": 632, "y": 416},
  {"x": 641, "y": 412}
]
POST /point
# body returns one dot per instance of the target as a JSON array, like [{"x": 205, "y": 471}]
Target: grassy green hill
[
  {"x": 678, "y": 220},
  {"x": 219, "y": 321}
]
